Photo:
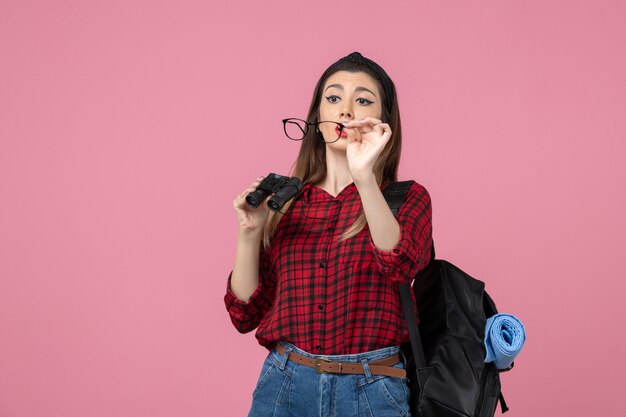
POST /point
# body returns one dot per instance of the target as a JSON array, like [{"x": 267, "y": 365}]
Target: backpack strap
[
  {"x": 503, "y": 405},
  {"x": 395, "y": 194}
]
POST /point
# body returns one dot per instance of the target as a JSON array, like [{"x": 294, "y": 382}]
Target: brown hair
[{"x": 310, "y": 166}]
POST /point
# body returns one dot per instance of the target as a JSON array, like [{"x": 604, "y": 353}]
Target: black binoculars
[{"x": 284, "y": 189}]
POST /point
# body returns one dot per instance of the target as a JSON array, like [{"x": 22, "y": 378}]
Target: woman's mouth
[{"x": 344, "y": 134}]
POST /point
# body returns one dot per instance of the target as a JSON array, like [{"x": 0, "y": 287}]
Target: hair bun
[{"x": 355, "y": 56}]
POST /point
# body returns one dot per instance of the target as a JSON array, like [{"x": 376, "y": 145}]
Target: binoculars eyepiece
[{"x": 284, "y": 189}]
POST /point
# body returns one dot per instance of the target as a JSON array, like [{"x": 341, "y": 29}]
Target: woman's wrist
[
  {"x": 252, "y": 235},
  {"x": 364, "y": 180}
]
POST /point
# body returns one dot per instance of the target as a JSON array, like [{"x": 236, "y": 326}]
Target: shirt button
[
  {"x": 318, "y": 347},
  {"x": 321, "y": 306},
  {"x": 323, "y": 264},
  {"x": 330, "y": 229}
]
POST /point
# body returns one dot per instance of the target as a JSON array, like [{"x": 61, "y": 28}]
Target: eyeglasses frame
[{"x": 315, "y": 123}]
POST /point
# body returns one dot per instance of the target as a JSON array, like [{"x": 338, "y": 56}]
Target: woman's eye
[
  {"x": 330, "y": 98},
  {"x": 365, "y": 101}
]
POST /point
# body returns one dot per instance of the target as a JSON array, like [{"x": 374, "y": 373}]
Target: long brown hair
[{"x": 310, "y": 166}]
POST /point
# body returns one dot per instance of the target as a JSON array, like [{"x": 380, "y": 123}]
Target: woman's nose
[{"x": 346, "y": 111}]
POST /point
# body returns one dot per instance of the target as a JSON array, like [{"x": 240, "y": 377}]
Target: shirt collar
[{"x": 312, "y": 194}]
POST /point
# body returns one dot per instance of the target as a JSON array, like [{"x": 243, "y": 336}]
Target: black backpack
[{"x": 447, "y": 373}]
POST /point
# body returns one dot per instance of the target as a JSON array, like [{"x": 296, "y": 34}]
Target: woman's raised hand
[
  {"x": 366, "y": 140},
  {"x": 251, "y": 220}
]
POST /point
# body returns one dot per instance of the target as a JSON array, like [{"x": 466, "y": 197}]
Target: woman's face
[{"x": 347, "y": 96}]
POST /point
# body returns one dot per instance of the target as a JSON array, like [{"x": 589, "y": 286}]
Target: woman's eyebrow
[{"x": 339, "y": 86}]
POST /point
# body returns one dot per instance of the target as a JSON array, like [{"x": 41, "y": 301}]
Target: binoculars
[{"x": 284, "y": 189}]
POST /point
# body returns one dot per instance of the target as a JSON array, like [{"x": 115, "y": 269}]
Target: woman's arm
[
  {"x": 365, "y": 144},
  {"x": 250, "y": 286},
  {"x": 245, "y": 277},
  {"x": 401, "y": 244},
  {"x": 383, "y": 225},
  {"x": 412, "y": 235}
]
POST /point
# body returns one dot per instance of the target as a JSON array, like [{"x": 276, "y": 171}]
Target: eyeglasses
[{"x": 296, "y": 129}]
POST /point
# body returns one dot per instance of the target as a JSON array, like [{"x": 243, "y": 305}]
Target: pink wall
[{"x": 128, "y": 127}]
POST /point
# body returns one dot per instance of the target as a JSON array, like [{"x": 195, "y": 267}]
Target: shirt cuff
[
  {"x": 240, "y": 310},
  {"x": 403, "y": 251}
]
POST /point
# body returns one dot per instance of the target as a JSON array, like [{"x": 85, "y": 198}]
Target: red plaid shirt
[{"x": 329, "y": 297}]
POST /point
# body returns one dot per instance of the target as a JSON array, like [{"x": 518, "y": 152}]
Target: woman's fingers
[
  {"x": 359, "y": 127},
  {"x": 366, "y": 121},
  {"x": 351, "y": 134},
  {"x": 366, "y": 125},
  {"x": 382, "y": 128},
  {"x": 255, "y": 184},
  {"x": 370, "y": 121},
  {"x": 240, "y": 200}
]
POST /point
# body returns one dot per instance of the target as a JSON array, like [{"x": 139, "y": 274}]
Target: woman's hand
[
  {"x": 251, "y": 220},
  {"x": 366, "y": 140}
]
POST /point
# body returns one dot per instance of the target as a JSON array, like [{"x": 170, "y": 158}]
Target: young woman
[{"x": 320, "y": 280}]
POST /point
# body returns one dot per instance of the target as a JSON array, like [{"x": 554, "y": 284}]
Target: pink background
[{"x": 128, "y": 127}]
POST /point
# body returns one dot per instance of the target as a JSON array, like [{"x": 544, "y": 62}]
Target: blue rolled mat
[{"x": 504, "y": 338}]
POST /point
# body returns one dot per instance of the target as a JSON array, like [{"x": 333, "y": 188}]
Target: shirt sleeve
[
  {"x": 413, "y": 250},
  {"x": 246, "y": 316}
]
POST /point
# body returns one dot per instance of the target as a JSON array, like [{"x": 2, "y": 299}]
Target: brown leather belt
[{"x": 322, "y": 366}]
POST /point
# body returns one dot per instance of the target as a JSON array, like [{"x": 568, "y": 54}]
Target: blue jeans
[{"x": 286, "y": 388}]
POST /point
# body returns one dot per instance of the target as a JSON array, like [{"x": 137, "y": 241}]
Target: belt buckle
[{"x": 318, "y": 366}]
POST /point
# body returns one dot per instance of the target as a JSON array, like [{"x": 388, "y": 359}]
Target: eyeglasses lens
[
  {"x": 332, "y": 129},
  {"x": 295, "y": 129}
]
